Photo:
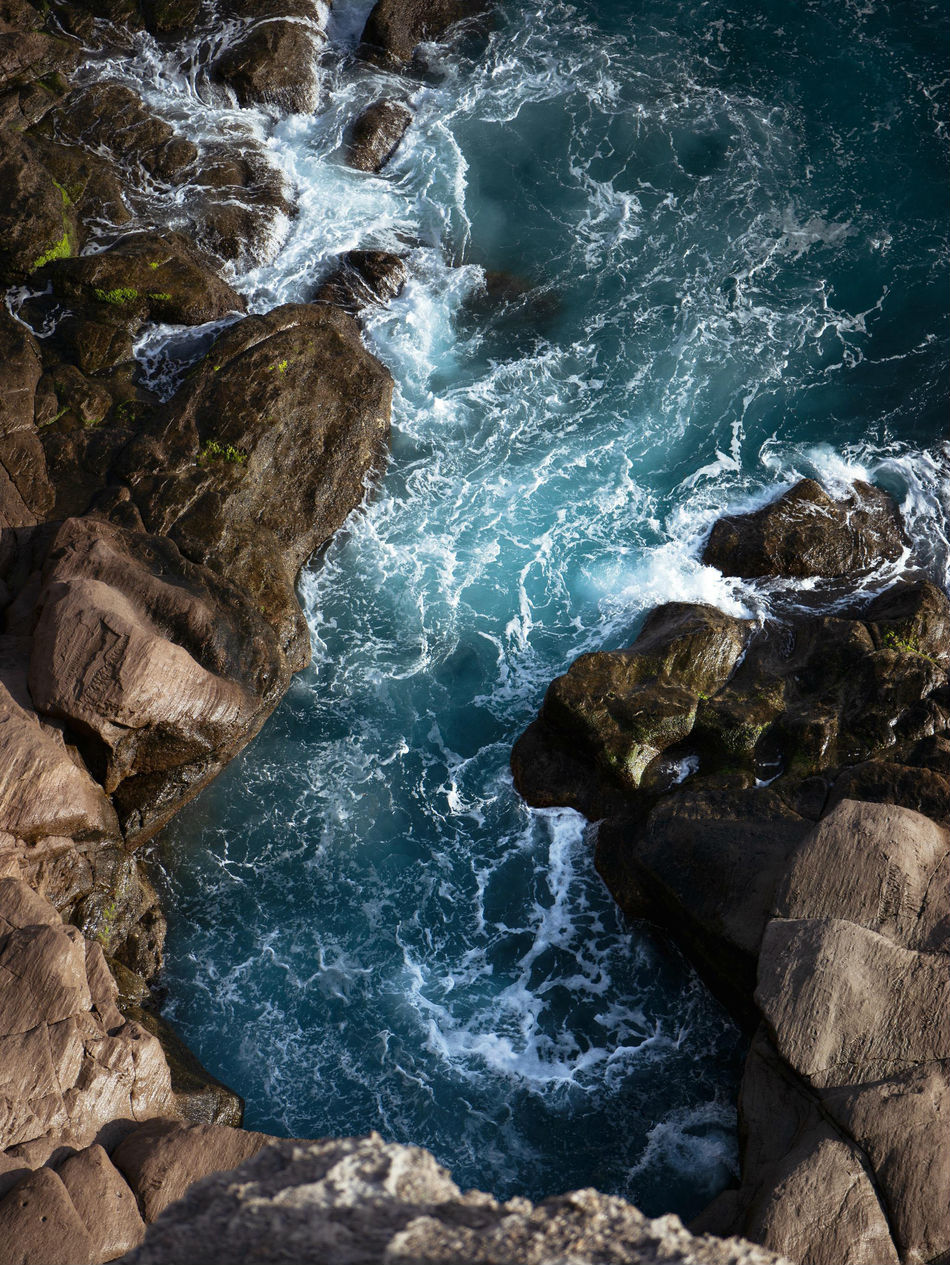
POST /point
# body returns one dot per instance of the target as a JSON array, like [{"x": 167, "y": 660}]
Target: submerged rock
[
  {"x": 374, "y": 135},
  {"x": 360, "y": 1199},
  {"x": 808, "y": 533}
]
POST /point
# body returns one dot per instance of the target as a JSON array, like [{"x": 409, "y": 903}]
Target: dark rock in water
[
  {"x": 241, "y": 201},
  {"x": 368, "y": 1201},
  {"x": 37, "y": 222},
  {"x": 275, "y": 61},
  {"x": 373, "y": 136},
  {"x": 27, "y": 51},
  {"x": 364, "y": 277},
  {"x": 395, "y": 27},
  {"x": 167, "y": 17},
  {"x": 808, "y": 533},
  {"x": 25, "y": 491},
  {"x": 147, "y": 276}
]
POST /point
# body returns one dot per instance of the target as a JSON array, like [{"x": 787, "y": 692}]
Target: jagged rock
[
  {"x": 37, "y": 223},
  {"x": 363, "y": 278},
  {"x": 72, "y": 1070},
  {"x": 360, "y": 1199},
  {"x": 163, "y": 1158},
  {"x": 808, "y": 533},
  {"x": 374, "y": 135},
  {"x": 395, "y": 27},
  {"x": 290, "y": 399},
  {"x": 275, "y": 61},
  {"x": 147, "y": 276}
]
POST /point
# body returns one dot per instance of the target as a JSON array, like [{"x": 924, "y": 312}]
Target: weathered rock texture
[
  {"x": 374, "y": 135},
  {"x": 777, "y": 798},
  {"x": 396, "y": 27},
  {"x": 361, "y": 1200}
]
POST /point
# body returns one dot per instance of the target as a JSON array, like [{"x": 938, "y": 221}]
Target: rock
[
  {"x": 901, "y": 1125},
  {"x": 39, "y": 1224},
  {"x": 104, "y": 1202},
  {"x": 848, "y": 1006},
  {"x": 27, "y": 51},
  {"x": 200, "y": 1098},
  {"x": 242, "y": 208},
  {"x": 161, "y": 669},
  {"x": 808, "y": 533},
  {"x": 806, "y": 1190},
  {"x": 163, "y": 1158},
  {"x": 360, "y": 1199},
  {"x": 395, "y": 27},
  {"x": 883, "y": 868},
  {"x": 290, "y": 399},
  {"x": 37, "y": 223},
  {"x": 363, "y": 278},
  {"x": 27, "y": 493},
  {"x": 275, "y": 61},
  {"x": 147, "y": 276},
  {"x": 72, "y": 1070},
  {"x": 374, "y": 135},
  {"x": 705, "y": 865}
]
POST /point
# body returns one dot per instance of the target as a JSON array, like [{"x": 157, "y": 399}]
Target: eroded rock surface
[
  {"x": 395, "y": 28},
  {"x": 374, "y": 135},
  {"x": 360, "y": 1199}
]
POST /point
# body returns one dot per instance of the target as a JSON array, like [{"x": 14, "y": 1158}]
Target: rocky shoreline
[{"x": 149, "y": 550}]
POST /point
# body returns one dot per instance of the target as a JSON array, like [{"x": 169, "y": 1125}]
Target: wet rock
[
  {"x": 366, "y": 1200},
  {"x": 170, "y": 17},
  {"x": 808, "y": 533},
  {"x": 395, "y": 27},
  {"x": 241, "y": 206},
  {"x": 163, "y": 1158},
  {"x": 374, "y": 135},
  {"x": 26, "y": 494},
  {"x": 27, "y": 51},
  {"x": 37, "y": 222},
  {"x": 363, "y": 278},
  {"x": 275, "y": 61},
  {"x": 147, "y": 276}
]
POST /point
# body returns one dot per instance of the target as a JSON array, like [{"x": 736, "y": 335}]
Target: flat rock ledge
[{"x": 777, "y": 799}]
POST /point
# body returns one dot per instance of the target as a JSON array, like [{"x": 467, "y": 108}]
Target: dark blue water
[{"x": 725, "y": 226}]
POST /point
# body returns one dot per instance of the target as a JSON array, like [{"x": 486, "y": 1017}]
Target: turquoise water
[{"x": 725, "y": 230}]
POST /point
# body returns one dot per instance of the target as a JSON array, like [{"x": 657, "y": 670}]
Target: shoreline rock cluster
[
  {"x": 150, "y": 626},
  {"x": 776, "y": 798}
]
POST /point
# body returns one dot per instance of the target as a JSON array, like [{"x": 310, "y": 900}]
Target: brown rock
[
  {"x": 104, "y": 1201},
  {"x": 395, "y": 27},
  {"x": 163, "y": 1158},
  {"x": 874, "y": 865},
  {"x": 363, "y": 278},
  {"x": 374, "y": 135},
  {"x": 36, "y": 222},
  {"x": 847, "y": 1006},
  {"x": 40, "y": 1226},
  {"x": 806, "y": 532},
  {"x": 275, "y": 61}
]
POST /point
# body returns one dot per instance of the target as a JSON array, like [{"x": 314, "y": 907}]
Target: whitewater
[{"x": 664, "y": 260}]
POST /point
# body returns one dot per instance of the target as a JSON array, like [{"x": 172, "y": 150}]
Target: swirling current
[{"x": 721, "y": 231}]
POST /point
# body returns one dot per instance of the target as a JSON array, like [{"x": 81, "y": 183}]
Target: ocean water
[{"x": 722, "y": 229}]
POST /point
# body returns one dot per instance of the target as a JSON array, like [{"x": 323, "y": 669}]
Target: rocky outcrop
[
  {"x": 395, "y": 28},
  {"x": 274, "y": 59},
  {"x": 361, "y": 1199},
  {"x": 763, "y": 791},
  {"x": 374, "y": 135},
  {"x": 806, "y": 532}
]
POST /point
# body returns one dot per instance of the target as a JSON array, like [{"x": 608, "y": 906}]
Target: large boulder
[
  {"x": 395, "y": 28},
  {"x": 363, "y": 278},
  {"x": 274, "y": 61},
  {"x": 806, "y": 532},
  {"x": 361, "y": 1199},
  {"x": 374, "y": 135}
]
